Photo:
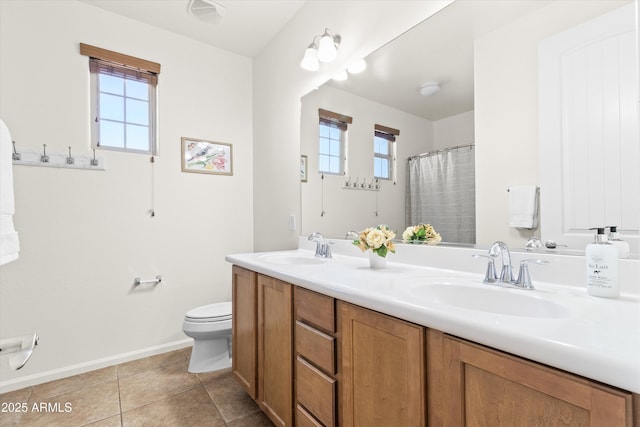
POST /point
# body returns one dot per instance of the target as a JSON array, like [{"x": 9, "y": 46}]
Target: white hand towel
[
  {"x": 523, "y": 206},
  {"x": 9, "y": 243}
]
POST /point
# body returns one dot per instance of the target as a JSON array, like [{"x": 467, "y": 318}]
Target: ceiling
[
  {"x": 246, "y": 28},
  {"x": 439, "y": 49}
]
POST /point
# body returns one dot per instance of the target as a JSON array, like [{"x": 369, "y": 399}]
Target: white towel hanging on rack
[
  {"x": 9, "y": 242},
  {"x": 523, "y": 206}
]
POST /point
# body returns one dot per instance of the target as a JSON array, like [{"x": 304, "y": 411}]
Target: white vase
[{"x": 376, "y": 261}]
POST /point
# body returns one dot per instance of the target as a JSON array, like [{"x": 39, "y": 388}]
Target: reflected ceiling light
[
  {"x": 430, "y": 88},
  {"x": 326, "y": 50},
  {"x": 341, "y": 76},
  {"x": 207, "y": 10},
  {"x": 357, "y": 67}
]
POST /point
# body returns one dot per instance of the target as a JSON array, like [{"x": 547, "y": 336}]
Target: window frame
[
  {"x": 340, "y": 122},
  {"x": 388, "y": 134},
  {"x": 124, "y": 67}
]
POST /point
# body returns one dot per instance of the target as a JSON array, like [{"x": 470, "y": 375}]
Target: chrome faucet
[
  {"x": 506, "y": 272},
  {"x": 323, "y": 249}
]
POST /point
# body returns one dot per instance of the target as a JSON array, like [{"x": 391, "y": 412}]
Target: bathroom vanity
[{"x": 332, "y": 342}]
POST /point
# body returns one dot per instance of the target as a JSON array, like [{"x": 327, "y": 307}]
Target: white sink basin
[
  {"x": 292, "y": 259},
  {"x": 491, "y": 299}
]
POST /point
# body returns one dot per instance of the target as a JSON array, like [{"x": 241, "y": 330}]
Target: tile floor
[{"x": 155, "y": 391}]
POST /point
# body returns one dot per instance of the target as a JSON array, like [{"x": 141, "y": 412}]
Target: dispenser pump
[
  {"x": 614, "y": 238},
  {"x": 600, "y": 237}
]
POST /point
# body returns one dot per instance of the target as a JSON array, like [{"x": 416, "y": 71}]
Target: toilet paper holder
[
  {"x": 137, "y": 281},
  {"x": 21, "y": 348}
]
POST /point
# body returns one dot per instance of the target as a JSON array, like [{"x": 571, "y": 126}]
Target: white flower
[{"x": 376, "y": 238}]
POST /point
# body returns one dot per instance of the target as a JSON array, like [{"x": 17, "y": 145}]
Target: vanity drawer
[
  {"x": 316, "y": 346},
  {"x": 305, "y": 419},
  {"x": 316, "y": 392},
  {"x": 316, "y": 309}
]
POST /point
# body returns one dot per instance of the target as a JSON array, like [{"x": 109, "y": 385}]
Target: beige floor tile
[
  {"x": 155, "y": 384},
  {"x": 115, "y": 421},
  {"x": 139, "y": 366},
  {"x": 188, "y": 409},
  {"x": 229, "y": 397},
  {"x": 77, "y": 408},
  {"x": 257, "y": 419},
  {"x": 76, "y": 382},
  {"x": 14, "y": 405}
]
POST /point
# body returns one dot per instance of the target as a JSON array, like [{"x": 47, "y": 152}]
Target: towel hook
[
  {"x": 44, "y": 158},
  {"x": 94, "y": 162},
  {"x": 15, "y": 155},
  {"x": 70, "y": 160}
]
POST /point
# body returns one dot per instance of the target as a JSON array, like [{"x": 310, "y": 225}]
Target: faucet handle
[
  {"x": 524, "y": 279},
  {"x": 490, "y": 276}
]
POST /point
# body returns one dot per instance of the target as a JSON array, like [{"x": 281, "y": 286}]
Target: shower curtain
[{"x": 441, "y": 192}]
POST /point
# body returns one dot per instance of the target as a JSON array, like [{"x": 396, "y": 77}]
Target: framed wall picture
[
  {"x": 201, "y": 156},
  {"x": 303, "y": 168}
]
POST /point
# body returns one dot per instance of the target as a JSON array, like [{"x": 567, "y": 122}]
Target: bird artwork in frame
[{"x": 201, "y": 156}]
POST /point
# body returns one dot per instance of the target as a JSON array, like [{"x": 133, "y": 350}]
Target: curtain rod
[{"x": 431, "y": 153}]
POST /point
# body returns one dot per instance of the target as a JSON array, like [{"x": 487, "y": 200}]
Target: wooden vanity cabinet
[
  {"x": 382, "y": 369},
  {"x": 485, "y": 387},
  {"x": 262, "y": 342},
  {"x": 315, "y": 338},
  {"x": 275, "y": 350},
  {"x": 244, "y": 330}
]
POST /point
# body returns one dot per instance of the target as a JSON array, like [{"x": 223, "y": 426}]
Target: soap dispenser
[
  {"x": 602, "y": 267},
  {"x": 614, "y": 238}
]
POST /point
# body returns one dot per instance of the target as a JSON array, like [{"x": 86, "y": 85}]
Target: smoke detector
[{"x": 207, "y": 10}]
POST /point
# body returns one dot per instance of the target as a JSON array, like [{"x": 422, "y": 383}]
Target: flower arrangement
[
  {"x": 379, "y": 239},
  {"x": 421, "y": 233}
]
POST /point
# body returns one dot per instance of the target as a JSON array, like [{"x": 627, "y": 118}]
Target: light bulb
[
  {"x": 327, "y": 50},
  {"x": 310, "y": 60}
]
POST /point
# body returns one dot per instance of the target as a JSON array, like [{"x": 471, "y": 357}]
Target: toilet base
[{"x": 210, "y": 355}]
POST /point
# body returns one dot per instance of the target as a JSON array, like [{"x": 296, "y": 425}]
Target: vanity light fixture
[
  {"x": 326, "y": 50},
  {"x": 430, "y": 88}
]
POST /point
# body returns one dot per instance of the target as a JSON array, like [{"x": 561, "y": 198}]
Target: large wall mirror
[{"x": 481, "y": 127}]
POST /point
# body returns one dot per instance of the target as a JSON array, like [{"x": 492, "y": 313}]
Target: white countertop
[{"x": 597, "y": 338}]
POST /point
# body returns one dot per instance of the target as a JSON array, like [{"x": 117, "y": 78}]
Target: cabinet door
[
  {"x": 382, "y": 368},
  {"x": 484, "y": 387},
  {"x": 244, "y": 333},
  {"x": 275, "y": 350}
]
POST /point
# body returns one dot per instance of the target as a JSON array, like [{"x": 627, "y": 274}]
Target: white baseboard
[{"x": 67, "y": 371}]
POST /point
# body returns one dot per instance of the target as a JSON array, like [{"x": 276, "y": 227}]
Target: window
[
  {"x": 123, "y": 101},
  {"x": 384, "y": 152},
  {"x": 332, "y": 142}
]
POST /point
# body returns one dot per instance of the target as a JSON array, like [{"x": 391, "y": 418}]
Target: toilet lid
[{"x": 216, "y": 312}]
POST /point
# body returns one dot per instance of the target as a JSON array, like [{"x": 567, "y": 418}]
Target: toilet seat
[{"x": 210, "y": 313}]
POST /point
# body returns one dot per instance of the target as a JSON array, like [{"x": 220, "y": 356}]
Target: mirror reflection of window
[
  {"x": 384, "y": 148},
  {"x": 332, "y": 142}
]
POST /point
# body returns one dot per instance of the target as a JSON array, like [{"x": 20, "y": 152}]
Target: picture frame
[
  {"x": 303, "y": 168},
  {"x": 202, "y": 156}
]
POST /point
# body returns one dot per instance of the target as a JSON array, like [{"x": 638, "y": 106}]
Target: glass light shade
[
  {"x": 430, "y": 88},
  {"x": 357, "y": 67},
  {"x": 310, "y": 60},
  {"x": 327, "y": 51}
]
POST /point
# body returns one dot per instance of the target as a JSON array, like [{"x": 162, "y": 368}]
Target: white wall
[
  {"x": 454, "y": 131},
  {"x": 279, "y": 83},
  {"x": 506, "y": 111},
  {"x": 347, "y": 209},
  {"x": 85, "y": 235}
]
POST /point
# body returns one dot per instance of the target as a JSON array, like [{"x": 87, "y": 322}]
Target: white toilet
[{"x": 210, "y": 328}]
